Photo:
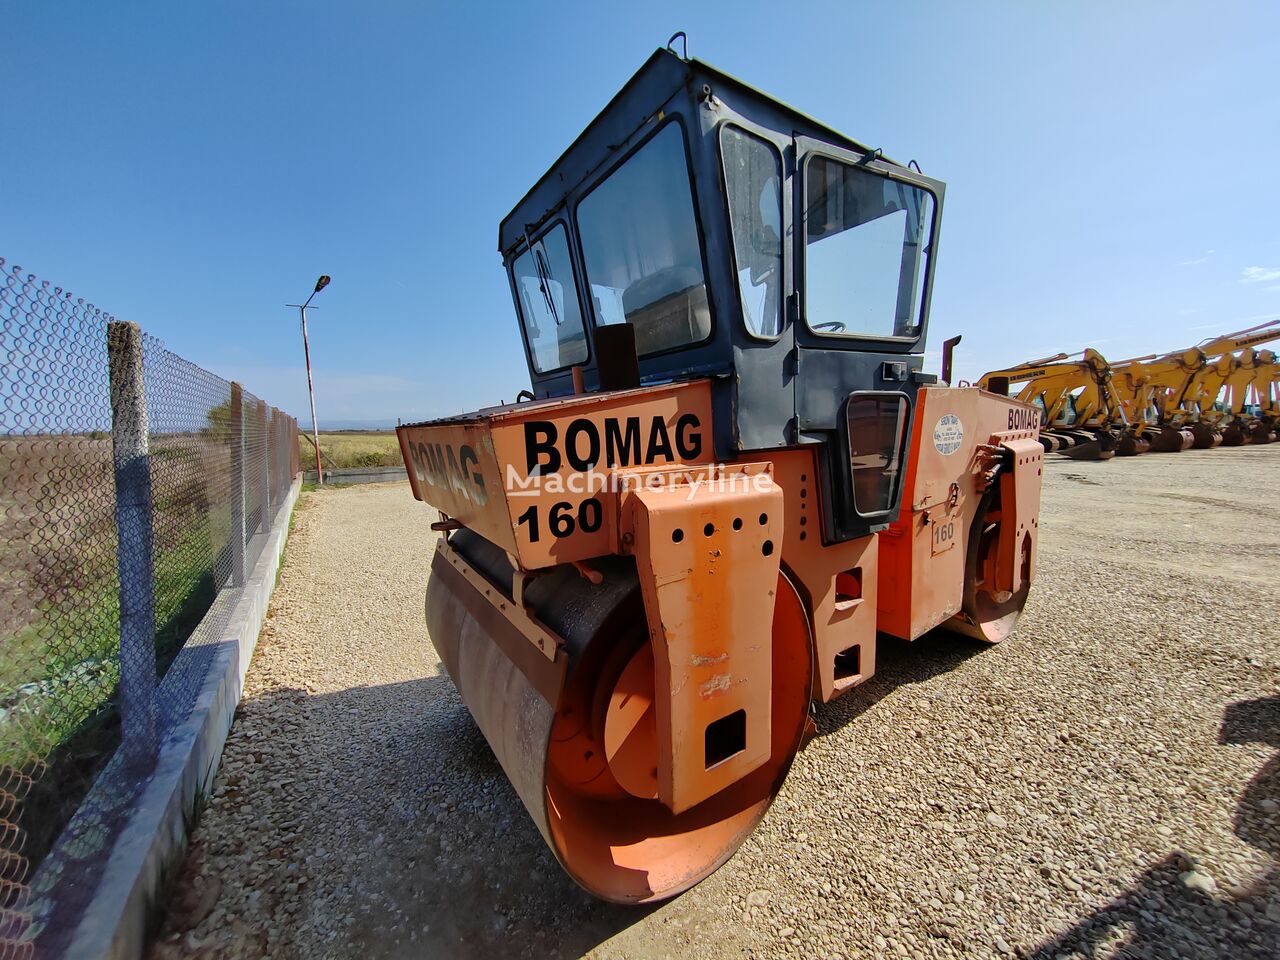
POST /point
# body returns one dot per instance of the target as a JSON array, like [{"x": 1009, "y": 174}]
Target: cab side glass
[
  {"x": 641, "y": 250},
  {"x": 548, "y": 302},
  {"x": 753, "y": 178},
  {"x": 876, "y": 424},
  {"x": 866, "y": 242}
]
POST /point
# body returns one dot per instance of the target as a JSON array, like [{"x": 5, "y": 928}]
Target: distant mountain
[{"x": 331, "y": 425}]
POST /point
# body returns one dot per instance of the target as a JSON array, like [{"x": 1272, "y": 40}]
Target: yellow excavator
[
  {"x": 1230, "y": 364},
  {"x": 1083, "y": 415},
  {"x": 1240, "y": 419},
  {"x": 1266, "y": 389},
  {"x": 1221, "y": 390},
  {"x": 1149, "y": 386}
]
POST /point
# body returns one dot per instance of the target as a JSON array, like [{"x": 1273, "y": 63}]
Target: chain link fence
[{"x": 137, "y": 487}]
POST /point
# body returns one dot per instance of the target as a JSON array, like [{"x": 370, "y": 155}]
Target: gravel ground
[{"x": 1106, "y": 783}]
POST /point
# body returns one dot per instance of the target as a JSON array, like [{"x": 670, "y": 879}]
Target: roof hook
[
  {"x": 915, "y": 166},
  {"x": 684, "y": 42}
]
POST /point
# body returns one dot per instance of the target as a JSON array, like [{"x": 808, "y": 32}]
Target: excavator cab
[
  {"x": 731, "y": 476},
  {"x": 700, "y": 229}
]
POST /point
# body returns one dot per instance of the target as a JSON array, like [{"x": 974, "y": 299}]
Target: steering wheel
[{"x": 831, "y": 326}]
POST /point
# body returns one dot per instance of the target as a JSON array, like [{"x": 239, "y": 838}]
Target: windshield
[
  {"x": 866, "y": 240},
  {"x": 549, "y": 303},
  {"x": 641, "y": 250}
]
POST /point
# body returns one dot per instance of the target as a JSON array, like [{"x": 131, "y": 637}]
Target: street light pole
[
  {"x": 311, "y": 390},
  {"x": 306, "y": 352}
]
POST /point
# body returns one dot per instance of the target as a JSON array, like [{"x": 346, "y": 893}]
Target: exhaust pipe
[{"x": 948, "y": 347}]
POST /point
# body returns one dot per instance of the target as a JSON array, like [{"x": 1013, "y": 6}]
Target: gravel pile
[{"x": 1106, "y": 783}]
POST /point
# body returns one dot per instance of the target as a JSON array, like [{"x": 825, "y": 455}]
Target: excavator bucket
[
  {"x": 1204, "y": 436},
  {"x": 1168, "y": 439},
  {"x": 1083, "y": 445},
  {"x": 1130, "y": 444}
]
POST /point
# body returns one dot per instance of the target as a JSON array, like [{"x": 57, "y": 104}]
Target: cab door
[
  {"x": 755, "y": 166},
  {"x": 863, "y": 247}
]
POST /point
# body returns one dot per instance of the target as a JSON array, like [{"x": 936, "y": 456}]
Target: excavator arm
[
  {"x": 1231, "y": 342},
  {"x": 1266, "y": 385},
  {"x": 1057, "y": 384}
]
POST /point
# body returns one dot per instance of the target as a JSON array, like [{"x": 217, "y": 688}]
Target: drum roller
[{"x": 578, "y": 746}]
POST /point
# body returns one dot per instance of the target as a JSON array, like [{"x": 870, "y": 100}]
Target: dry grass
[
  {"x": 353, "y": 448},
  {"x": 60, "y": 603}
]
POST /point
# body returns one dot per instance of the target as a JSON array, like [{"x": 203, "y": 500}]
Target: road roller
[{"x": 728, "y": 477}]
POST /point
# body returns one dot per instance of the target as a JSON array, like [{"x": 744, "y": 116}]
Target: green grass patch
[{"x": 60, "y": 676}]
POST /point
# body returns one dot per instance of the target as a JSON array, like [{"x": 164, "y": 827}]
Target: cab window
[
  {"x": 753, "y": 182},
  {"x": 548, "y": 299},
  {"x": 866, "y": 242},
  {"x": 641, "y": 250}
]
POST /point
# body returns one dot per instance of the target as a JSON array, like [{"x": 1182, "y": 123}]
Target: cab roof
[{"x": 663, "y": 76}]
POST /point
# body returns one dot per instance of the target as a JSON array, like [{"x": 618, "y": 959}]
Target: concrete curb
[
  {"x": 153, "y": 842},
  {"x": 359, "y": 475}
]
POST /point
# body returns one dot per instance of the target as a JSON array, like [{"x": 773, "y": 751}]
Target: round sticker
[{"x": 948, "y": 434}]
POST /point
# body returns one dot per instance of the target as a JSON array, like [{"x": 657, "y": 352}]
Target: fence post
[
  {"x": 264, "y": 474},
  {"x": 238, "y": 532},
  {"x": 278, "y": 432},
  {"x": 275, "y": 454},
  {"x": 131, "y": 460},
  {"x": 274, "y": 433},
  {"x": 282, "y": 457}
]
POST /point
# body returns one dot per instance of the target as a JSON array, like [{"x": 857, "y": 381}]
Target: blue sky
[{"x": 1111, "y": 168}]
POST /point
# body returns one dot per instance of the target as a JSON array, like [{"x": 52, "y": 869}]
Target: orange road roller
[{"x": 731, "y": 474}]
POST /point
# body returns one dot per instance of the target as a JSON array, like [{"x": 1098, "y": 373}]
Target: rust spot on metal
[
  {"x": 715, "y": 686},
  {"x": 698, "y": 660}
]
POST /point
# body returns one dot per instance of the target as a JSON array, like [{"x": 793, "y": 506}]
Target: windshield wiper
[{"x": 544, "y": 284}]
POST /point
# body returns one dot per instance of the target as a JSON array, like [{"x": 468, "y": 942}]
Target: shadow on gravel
[
  {"x": 1257, "y": 721},
  {"x": 898, "y": 663},
  {"x": 1160, "y": 915},
  {"x": 457, "y": 867},
  {"x": 448, "y": 863}
]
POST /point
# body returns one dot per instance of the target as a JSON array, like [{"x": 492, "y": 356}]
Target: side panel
[
  {"x": 838, "y": 580},
  {"x": 922, "y": 556},
  {"x": 708, "y": 570},
  {"x": 560, "y": 485},
  {"x": 538, "y": 479},
  {"x": 452, "y": 466}
]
